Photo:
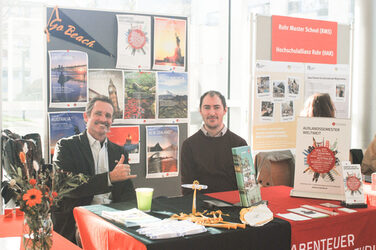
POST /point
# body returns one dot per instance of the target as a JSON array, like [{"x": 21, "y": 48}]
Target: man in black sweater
[{"x": 206, "y": 156}]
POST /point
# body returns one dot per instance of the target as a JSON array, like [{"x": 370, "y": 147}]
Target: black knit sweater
[{"x": 209, "y": 160}]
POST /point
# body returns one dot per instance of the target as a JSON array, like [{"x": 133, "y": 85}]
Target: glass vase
[{"x": 37, "y": 232}]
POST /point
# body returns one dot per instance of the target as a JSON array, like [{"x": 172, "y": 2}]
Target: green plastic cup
[{"x": 144, "y": 197}]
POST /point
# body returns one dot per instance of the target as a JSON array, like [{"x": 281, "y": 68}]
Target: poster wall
[
  {"x": 111, "y": 43},
  {"x": 278, "y": 100}
]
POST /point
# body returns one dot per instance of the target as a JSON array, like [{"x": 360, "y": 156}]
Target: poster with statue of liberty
[
  {"x": 68, "y": 78},
  {"x": 108, "y": 83},
  {"x": 169, "y": 44}
]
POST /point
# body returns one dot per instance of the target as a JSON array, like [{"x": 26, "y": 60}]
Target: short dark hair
[
  {"x": 101, "y": 98},
  {"x": 213, "y": 93}
]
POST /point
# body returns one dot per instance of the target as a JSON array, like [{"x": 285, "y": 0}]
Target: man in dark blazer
[{"x": 87, "y": 153}]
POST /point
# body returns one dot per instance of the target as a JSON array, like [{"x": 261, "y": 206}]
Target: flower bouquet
[{"x": 37, "y": 188}]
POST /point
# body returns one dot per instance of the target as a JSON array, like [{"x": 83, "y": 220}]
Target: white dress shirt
[{"x": 100, "y": 155}]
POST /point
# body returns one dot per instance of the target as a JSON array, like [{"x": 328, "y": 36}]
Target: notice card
[
  {"x": 293, "y": 216},
  {"x": 307, "y": 212}
]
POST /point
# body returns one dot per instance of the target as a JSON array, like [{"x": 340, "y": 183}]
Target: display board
[
  {"x": 280, "y": 88},
  {"x": 139, "y": 61}
]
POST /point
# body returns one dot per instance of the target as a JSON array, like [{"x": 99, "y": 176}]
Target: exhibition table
[
  {"x": 343, "y": 231},
  {"x": 12, "y": 227},
  {"x": 99, "y": 233}
]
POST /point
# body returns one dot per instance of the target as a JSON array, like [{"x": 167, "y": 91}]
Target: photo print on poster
[
  {"x": 263, "y": 86},
  {"x": 63, "y": 125},
  {"x": 172, "y": 95},
  {"x": 293, "y": 85},
  {"x": 340, "y": 92},
  {"x": 139, "y": 95},
  {"x": 162, "y": 151},
  {"x": 129, "y": 138},
  {"x": 169, "y": 44},
  {"x": 279, "y": 88},
  {"x": 133, "y": 42},
  {"x": 267, "y": 111},
  {"x": 108, "y": 83},
  {"x": 287, "y": 111},
  {"x": 68, "y": 78}
]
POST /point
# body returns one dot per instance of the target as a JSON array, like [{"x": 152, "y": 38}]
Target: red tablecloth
[
  {"x": 344, "y": 231},
  {"x": 12, "y": 227},
  {"x": 97, "y": 233}
]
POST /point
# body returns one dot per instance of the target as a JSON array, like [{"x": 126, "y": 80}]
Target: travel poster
[
  {"x": 321, "y": 145},
  {"x": 331, "y": 79},
  {"x": 129, "y": 138},
  {"x": 108, "y": 83},
  {"x": 169, "y": 44},
  {"x": 139, "y": 95},
  {"x": 162, "y": 151},
  {"x": 172, "y": 95},
  {"x": 68, "y": 78},
  {"x": 133, "y": 42},
  {"x": 277, "y": 101},
  {"x": 64, "y": 124}
]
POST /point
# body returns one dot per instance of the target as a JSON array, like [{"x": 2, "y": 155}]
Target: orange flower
[
  {"x": 32, "y": 197},
  {"x": 54, "y": 194},
  {"x": 22, "y": 157},
  {"x": 33, "y": 182}
]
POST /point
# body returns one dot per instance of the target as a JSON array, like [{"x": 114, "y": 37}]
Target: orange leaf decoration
[{"x": 22, "y": 157}]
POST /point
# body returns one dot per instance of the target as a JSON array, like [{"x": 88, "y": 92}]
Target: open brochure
[
  {"x": 169, "y": 228},
  {"x": 130, "y": 218}
]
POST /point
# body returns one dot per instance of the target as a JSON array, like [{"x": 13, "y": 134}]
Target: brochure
[
  {"x": 245, "y": 173},
  {"x": 352, "y": 180},
  {"x": 169, "y": 228},
  {"x": 130, "y": 218}
]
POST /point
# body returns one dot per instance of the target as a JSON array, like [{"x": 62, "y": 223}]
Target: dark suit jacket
[{"x": 73, "y": 154}]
